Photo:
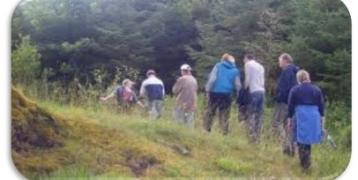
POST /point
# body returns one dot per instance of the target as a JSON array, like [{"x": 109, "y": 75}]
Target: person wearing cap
[
  {"x": 185, "y": 91},
  {"x": 153, "y": 90},
  {"x": 125, "y": 95},
  {"x": 224, "y": 79}
]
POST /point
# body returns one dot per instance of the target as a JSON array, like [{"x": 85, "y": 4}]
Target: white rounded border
[{"x": 8, "y": 171}]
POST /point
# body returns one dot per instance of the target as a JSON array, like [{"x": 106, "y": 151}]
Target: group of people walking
[{"x": 298, "y": 120}]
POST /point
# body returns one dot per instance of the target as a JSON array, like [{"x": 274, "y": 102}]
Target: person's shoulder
[
  {"x": 295, "y": 87},
  {"x": 315, "y": 87},
  {"x": 145, "y": 80},
  {"x": 252, "y": 63},
  {"x": 192, "y": 78},
  {"x": 291, "y": 69},
  {"x": 248, "y": 64},
  {"x": 153, "y": 80},
  {"x": 259, "y": 64},
  {"x": 181, "y": 78},
  {"x": 159, "y": 80},
  {"x": 216, "y": 65}
]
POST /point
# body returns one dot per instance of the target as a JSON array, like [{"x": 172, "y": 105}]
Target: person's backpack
[
  {"x": 123, "y": 95},
  {"x": 119, "y": 94},
  {"x": 127, "y": 95}
]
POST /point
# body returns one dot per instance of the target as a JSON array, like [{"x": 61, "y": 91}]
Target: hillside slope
[{"x": 58, "y": 141}]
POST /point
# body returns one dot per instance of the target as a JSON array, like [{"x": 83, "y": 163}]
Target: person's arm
[
  {"x": 291, "y": 109},
  {"x": 212, "y": 79},
  {"x": 138, "y": 101},
  {"x": 177, "y": 87},
  {"x": 282, "y": 86},
  {"x": 291, "y": 103},
  {"x": 140, "y": 104},
  {"x": 237, "y": 84},
  {"x": 109, "y": 96},
  {"x": 247, "y": 76},
  {"x": 163, "y": 89},
  {"x": 321, "y": 110},
  {"x": 142, "y": 90}
]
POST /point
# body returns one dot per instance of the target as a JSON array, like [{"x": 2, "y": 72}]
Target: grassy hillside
[{"x": 98, "y": 142}]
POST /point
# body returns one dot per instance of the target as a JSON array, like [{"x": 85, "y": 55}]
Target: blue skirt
[{"x": 307, "y": 125}]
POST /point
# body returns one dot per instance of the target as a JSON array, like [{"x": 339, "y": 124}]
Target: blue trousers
[{"x": 256, "y": 109}]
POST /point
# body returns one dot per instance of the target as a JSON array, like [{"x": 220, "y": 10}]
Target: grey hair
[{"x": 286, "y": 57}]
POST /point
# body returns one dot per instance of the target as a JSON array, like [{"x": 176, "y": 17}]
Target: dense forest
[
  {"x": 94, "y": 43},
  {"x": 66, "y": 54}
]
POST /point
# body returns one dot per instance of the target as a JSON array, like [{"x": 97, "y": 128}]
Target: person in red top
[{"x": 125, "y": 95}]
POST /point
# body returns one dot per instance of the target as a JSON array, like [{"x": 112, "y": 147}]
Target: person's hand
[
  {"x": 141, "y": 104},
  {"x": 289, "y": 125},
  {"x": 102, "y": 98},
  {"x": 207, "y": 94}
]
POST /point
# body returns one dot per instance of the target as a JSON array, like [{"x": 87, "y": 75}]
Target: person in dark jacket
[
  {"x": 286, "y": 81},
  {"x": 243, "y": 101},
  {"x": 305, "y": 116},
  {"x": 224, "y": 79}
]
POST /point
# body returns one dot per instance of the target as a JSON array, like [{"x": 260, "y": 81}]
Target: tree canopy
[{"x": 91, "y": 39}]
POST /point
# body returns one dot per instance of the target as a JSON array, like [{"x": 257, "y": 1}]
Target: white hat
[{"x": 185, "y": 67}]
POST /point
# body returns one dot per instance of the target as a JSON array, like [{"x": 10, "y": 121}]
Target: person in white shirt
[{"x": 255, "y": 83}]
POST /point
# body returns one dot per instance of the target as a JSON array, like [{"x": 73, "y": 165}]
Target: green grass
[{"x": 102, "y": 138}]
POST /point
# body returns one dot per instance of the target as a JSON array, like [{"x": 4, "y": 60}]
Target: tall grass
[{"x": 211, "y": 154}]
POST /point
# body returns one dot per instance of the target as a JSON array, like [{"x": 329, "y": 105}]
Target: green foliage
[
  {"x": 78, "y": 37},
  {"x": 320, "y": 40},
  {"x": 338, "y": 123},
  {"x": 82, "y": 49},
  {"x": 25, "y": 62}
]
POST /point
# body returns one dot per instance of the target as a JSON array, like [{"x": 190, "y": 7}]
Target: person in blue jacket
[
  {"x": 286, "y": 81},
  {"x": 224, "y": 79},
  {"x": 306, "y": 116}
]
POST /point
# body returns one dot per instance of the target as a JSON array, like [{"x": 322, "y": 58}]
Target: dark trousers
[
  {"x": 221, "y": 102},
  {"x": 304, "y": 152},
  {"x": 243, "y": 113}
]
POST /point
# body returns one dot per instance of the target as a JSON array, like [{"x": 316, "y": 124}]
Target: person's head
[
  {"x": 127, "y": 83},
  {"x": 249, "y": 57},
  {"x": 303, "y": 76},
  {"x": 228, "y": 57},
  {"x": 284, "y": 60},
  {"x": 150, "y": 72},
  {"x": 185, "y": 69}
]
